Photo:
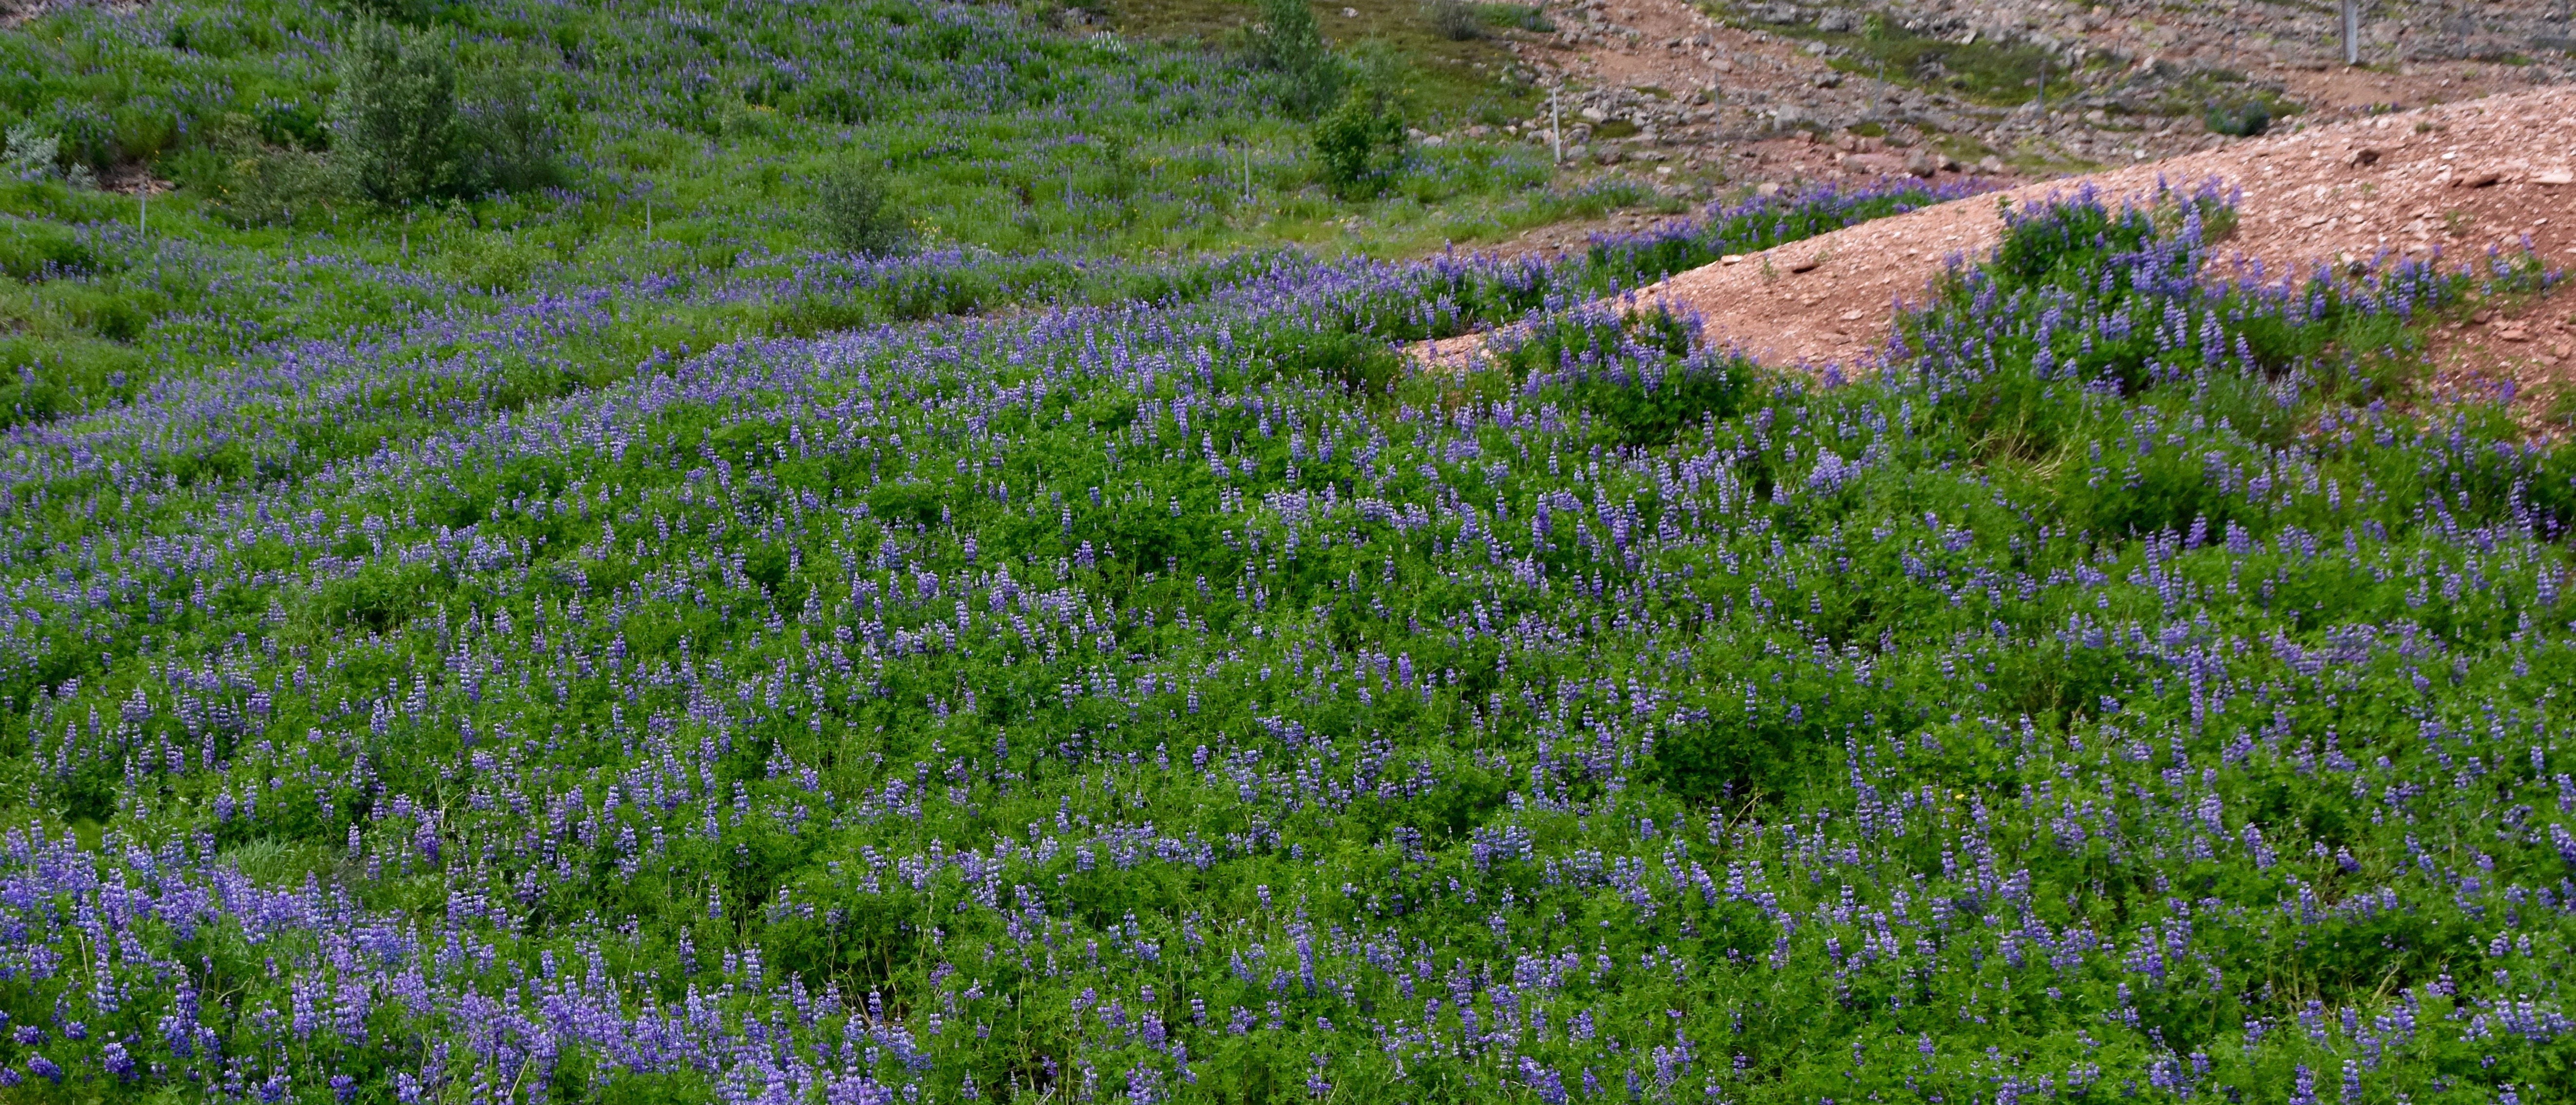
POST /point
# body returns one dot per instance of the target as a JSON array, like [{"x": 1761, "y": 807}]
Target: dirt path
[{"x": 2457, "y": 177}]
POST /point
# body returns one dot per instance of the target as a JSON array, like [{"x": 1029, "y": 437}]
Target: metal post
[
  {"x": 2352, "y": 32},
  {"x": 1555, "y": 127}
]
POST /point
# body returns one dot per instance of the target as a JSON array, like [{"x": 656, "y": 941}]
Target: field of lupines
[
  {"x": 2108, "y": 691},
  {"x": 436, "y": 674},
  {"x": 687, "y": 141}
]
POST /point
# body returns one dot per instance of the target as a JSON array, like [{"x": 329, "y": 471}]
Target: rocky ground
[
  {"x": 2452, "y": 180},
  {"x": 1698, "y": 96}
]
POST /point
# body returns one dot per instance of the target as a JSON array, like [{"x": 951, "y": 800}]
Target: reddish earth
[{"x": 2458, "y": 178}]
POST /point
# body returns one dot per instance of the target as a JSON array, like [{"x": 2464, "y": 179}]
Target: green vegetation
[
  {"x": 1986, "y": 71},
  {"x": 2243, "y": 119},
  {"x": 842, "y": 553},
  {"x": 321, "y": 169},
  {"x": 1361, "y": 143},
  {"x": 859, "y": 212},
  {"x": 1183, "y": 700}
]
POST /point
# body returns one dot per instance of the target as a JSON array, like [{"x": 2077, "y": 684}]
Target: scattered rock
[
  {"x": 1807, "y": 263},
  {"x": 1926, "y": 162},
  {"x": 2479, "y": 178}
]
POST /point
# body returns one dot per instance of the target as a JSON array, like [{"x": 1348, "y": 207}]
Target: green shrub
[
  {"x": 31, "y": 250},
  {"x": 85, "y": 137},
  {"x": 293, "y": 123},
  {"x": 860, "y": 213},
  {"x": 398, "y": 11},
  {"x": 1526, "y": 17},
  {"x": 514, "y": 137},
  {"x": 494, "y": 263},
  {"x": 395, "y": 130},
  {"x": 251, "y": 184},
  {"x": 1290, "y": 44},
  {"x": 48, "y": 375},
  {"x": 31, "y": 153},
  {"x": 1664, "y": 384},
  {"x": 1455, "y": 20},
  {"x": 1361, "y": 143},
  {"x": 117, "y": 316},
  {"x": 2243, "y": 119},
  {"x": 1361, "y": 364}
]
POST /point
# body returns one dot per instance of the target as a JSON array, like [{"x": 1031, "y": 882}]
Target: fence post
[{"x": 1555, "y": 127}]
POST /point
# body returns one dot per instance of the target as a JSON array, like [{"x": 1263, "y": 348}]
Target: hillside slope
[{"x": 2455, "y": 179}]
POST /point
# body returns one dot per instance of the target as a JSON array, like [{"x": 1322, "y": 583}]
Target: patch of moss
[
  {"x": 1444, "y": 79},
  {"x": 1992, "y": 72},
  {"x": 2203, "y": 91}
]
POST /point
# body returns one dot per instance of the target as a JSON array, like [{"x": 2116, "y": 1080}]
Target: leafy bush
[
  {"x": 395, "y": 130},
  {"x": 1646, "y": 377},
  {"x": 252, "y": 184},
  {"x": 31, "y": 250},
  {"x": 396, "y": 11},
  {"x": 2239, "y": 119},
  {"x": 1358, "y": 363},
  {"x": 30, "y": 152},
  {"x": 295, "y": 123},
  {"x": 515, "y": 138},
  {"x": 117, "y": 315},
  {"x": 1455, "y": 20},
  {"x": 859, "y": 210},
  {"x": 1360, "y": 144},
  {"x": 1289, "y": 43}
]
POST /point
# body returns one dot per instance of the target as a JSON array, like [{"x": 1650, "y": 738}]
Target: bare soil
[
  {"x": 1723, "y": 91},
  {"x": 2456, "y": 178}
]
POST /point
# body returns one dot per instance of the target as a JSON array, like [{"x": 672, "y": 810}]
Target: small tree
[
  {"x": 394, "y": 127},
  {"x": 1291, "y": 44},
  {"x": 1361, "y": 142},
  {"x": 514, "y": 137},
  {"x": 860, "y": 213}
]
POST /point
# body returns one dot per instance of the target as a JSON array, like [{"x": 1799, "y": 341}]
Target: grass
[
  {"x": 1984, "y": 71},
  {"x": 1449, "y": 82},
  {"x": 2009, "y": 73},
  {"x": 1151, "y": 145},
  {"x": 589, "y": 645},
  {"x": 1614, "y": 680}
]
